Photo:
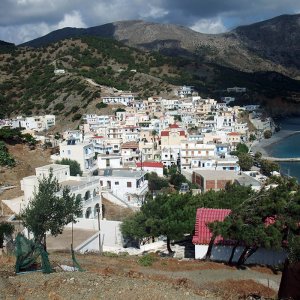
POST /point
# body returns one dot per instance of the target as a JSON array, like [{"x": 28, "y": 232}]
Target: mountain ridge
[{"x": 250, "y": 48}]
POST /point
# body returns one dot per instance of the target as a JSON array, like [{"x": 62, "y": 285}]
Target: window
[
  {"x": 107, "y": 162},
  {"x": 129, "y": 184},
  {"x": 101, "y": 182},
  {"x": 69, "y": 152},
  {"x": 117, "y": 183}
]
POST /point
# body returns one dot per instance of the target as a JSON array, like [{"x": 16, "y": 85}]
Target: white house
[
  {"x": 125, "y": 99},
  {"x": 83, "y": 153},
  {"x": 151, "y": 166},
  {"x": 113, "y": 161},
  {"x": 195, "y": 154},
  {"x": 84, "y": 188},
  {"x": 129, "y": 186}
]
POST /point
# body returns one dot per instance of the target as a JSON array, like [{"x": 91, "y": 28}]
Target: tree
[
  {"x": 267, "y": 166},
  {"x": 242, "y": 148},
  {"x": 168, "y": 215},
  {"x": 252, "y": 137},
  {"x": 267, "y": 219},
  {"x": 156, "y": 183},
  {"x": 6, "y": 229},
  {"x": 245, "y": 161},
  {"x": 267, "y": 134},
  {"x": 177, "y": 179},
  {"x": 173, "y": 215},
  {"x": 51, "y": 208},
  {"x": 258, "y": 155},
  {"x": 74, "y": 166}
]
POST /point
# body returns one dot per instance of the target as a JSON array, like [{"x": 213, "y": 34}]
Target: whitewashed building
[{"x": 129, "y": 186}]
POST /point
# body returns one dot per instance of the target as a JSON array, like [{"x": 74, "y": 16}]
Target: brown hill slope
[{"x": 263, "y": 46}]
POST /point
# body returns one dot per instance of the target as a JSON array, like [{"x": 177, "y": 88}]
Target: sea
[{"x": 288, "y": 147}]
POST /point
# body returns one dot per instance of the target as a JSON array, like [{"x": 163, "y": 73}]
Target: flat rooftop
[
  {"x": 123, "y": 173},
  {"x": 54, "y": 167},
  {"x": 217, "y": 174}
]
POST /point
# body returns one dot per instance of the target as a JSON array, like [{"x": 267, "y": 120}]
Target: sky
[{"x": 24, "y": 20}]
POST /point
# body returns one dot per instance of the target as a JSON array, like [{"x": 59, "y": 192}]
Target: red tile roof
[
  {"x": 233, "y": 133},
  {"x": 130, "y": 145},
  {"x": 150, "y": 164},
  {"x": 203, "y": 217},
  {"x": 167, "y": 133}
]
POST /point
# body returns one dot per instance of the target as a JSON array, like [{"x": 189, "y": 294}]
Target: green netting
[
  {"x": 27, "y": 252},
  {"x": 75, "y": 262}
]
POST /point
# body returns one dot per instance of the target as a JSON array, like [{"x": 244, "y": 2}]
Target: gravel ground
[
  {"x": 124, "y": 278},
  {"x": 86, "y": 285}
]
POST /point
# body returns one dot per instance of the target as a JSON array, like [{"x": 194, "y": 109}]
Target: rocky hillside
[
  {"x": 29, "y": 86},
  {"x": 277, "y": 40},
  {"x": 272, "y": 45}
]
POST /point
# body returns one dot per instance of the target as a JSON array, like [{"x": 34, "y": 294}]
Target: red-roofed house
[
  {"x": 171, "y": 139},
  {"x": 222, "y": 249},
  {"x": 233, "y": 138},
  {"x": 151, "y": 166}
]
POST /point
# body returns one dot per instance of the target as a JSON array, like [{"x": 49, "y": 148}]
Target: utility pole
[{"x": 99, "y": 234}]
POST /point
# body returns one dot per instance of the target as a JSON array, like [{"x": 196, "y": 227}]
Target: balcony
[{"x": 89, "y": 154}]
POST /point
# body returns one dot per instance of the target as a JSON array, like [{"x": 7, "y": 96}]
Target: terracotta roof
[
  {"x": 203, "y": 217},
  {"x": 129, "y": 145},
  {"x": 151, "y": 164},
  {"x": 233, "y": 133},
  {"x": 167, "y": 133}
]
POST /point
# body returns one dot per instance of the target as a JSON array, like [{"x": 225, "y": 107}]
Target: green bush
[
  {"x": 5, "y": 158},
  {"x": 59, "y": 106},
  {"x": 74, "y": 166},
  {"x": 146, "y": 260},
  {"x": 76, "y": 117},
  {"x": 101, "y": 105},
  {"x": 267, "y": 134},
  {"x": 109, "y": 254}
]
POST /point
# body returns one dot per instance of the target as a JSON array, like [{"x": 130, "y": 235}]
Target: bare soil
[
  {"x": 26, "y": 162},
  {"x": 122, "y": 277}
]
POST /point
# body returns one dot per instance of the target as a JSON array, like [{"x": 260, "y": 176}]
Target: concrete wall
[
  {"x": 109, "y": 232},
  {"x": 261, "y": 256}
]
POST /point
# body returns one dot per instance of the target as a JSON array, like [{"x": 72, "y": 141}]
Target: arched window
[
  {"x": 88, "y": 213},
  {"x": 96, "y": 209},
  {"x": 87, "y": 195},
  {"x": 79, "y": 197}
]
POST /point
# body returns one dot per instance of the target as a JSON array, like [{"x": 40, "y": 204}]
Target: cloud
[
  {"x": 21, "y": 33},
  {"x": 71, "y": 20},
  {"x": 209, "y": 26}
]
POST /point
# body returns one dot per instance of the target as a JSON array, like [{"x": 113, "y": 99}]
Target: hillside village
[{"x": 196, "y": 137}]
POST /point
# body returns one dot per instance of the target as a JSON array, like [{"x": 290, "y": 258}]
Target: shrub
[
  {"x": 76, "y": 117},
  {"x": 5, "y": 158},
  {"x": 267, "y": 134},
  {"x": 59, "y": 106},
  {"x": 146, "y": 260},
  {"x": 109, "y": 254},
  {"x": 101, "y": 105},
  {"x": 74, "y": 166}
]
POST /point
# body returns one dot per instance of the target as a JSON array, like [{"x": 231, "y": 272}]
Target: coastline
[{"x": 263, "y": 145}]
